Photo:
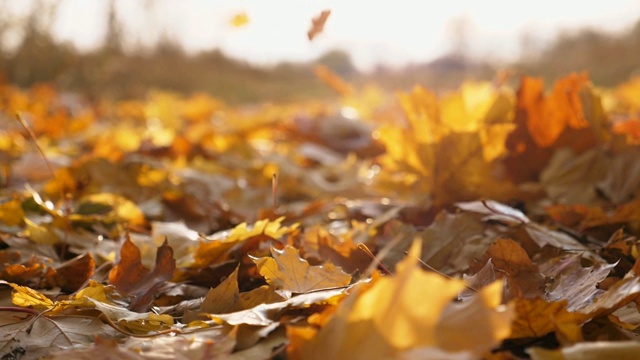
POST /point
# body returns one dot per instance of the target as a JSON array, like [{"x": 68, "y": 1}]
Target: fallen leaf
[
  {"x": 510, "y": 260},
  {"x": 288, "y": 272},
  {"x": 73, "y": 274},
  {"x": 589, "y": 351},
  {"x": 578, "y": 285},
  {"x": 536, "y": 317},
  {"x": 35, "y": 337},
  {"x": 266, "y": 314},
  {"x": 452, "y": 241},
  {"x": 393, "y": 315},
  {"x": 131, "y": 277}
]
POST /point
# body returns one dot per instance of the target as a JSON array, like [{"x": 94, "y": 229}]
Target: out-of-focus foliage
[{"x": 375, "y": 226}]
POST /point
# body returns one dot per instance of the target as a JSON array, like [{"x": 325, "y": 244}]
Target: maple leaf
[
  {"x": 537, "y": 317},
  {"x": 226, "y": 297},
  {"x": 219, "y": 245},
  {"x": 288, "y": 272},
  {"x": 131, "y": 277},
  {"x": 452, "y": 241},
  {"x": 393, "y": 315},
  {"x": 545, "y": 123},
  {"x": 523, "y": 276},
  {"x": 578, "y": 285},
  {"x": 35, "y": 337},
  {"x": 317, "y": 24}
]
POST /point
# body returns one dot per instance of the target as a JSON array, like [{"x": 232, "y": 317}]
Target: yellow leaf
[
  {"x": 273, "y": 229},
  {"x": 287, "y": 271},
  {"x": 27, "y": 297},
  {"x": 403, "y": 312},
  {"x": 240, "y": 19},
  {"x": 11, "y": 212},
  {"x": 40, "y": 234}
]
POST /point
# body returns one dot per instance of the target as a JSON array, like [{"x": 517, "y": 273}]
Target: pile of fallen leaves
[{"x": 482, "y": 223}]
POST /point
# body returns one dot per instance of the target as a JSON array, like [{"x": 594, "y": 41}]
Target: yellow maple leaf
[
  {"x": 287, "y": 271},
  {"x": 404, "y": 312}
]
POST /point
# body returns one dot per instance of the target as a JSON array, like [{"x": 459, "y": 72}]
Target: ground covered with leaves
[{"x": 488, "y": 222}]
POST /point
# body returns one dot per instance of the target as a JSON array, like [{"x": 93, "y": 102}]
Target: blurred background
[{"x": 255, "y": 50}]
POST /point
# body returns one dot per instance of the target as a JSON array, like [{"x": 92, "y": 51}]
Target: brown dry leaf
[
  {"x": 578, "y": 285},
  {"x": 623, "y": 350},
  {"x": 35, "y": 337},
  {"x": 620, "y": 294},
  {"x": 131, "y": 277},
  {"x": 343, "y": 252},
  {"x": 317, "y": 24},
  {"x": 452, "y": 241},
  {"x": 102, "y": 349},
  {"x": 622, "y": 180},
  {"x": 510, "y": 259},
  {"x": 267, "y": 314},
  {"x": 571, "y": 179},
  {"x": 288, "y": 272},
  {"x": 212, "y": 343},
  {"x": 73, "y": 274}
]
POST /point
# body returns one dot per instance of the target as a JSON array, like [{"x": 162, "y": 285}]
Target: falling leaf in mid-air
[
  {"x": 317, "y": 24},
  {"x": 240, "y": 20}
]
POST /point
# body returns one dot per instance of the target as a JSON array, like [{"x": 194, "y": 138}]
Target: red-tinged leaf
[
  {"x": 544, "y": 123},
  {"x": 74, "y": 273},
  {"x": 511, "y": 261},
  {"x": 131, "y": 277}
]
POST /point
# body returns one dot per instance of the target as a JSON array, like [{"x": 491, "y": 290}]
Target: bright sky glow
[{"x": 392, "y": 33}]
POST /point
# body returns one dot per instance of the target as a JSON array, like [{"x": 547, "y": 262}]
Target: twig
[{"x": 364, "y": 248}]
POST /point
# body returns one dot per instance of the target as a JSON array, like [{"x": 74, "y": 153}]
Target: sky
[{"x": 371, "y": 31}]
